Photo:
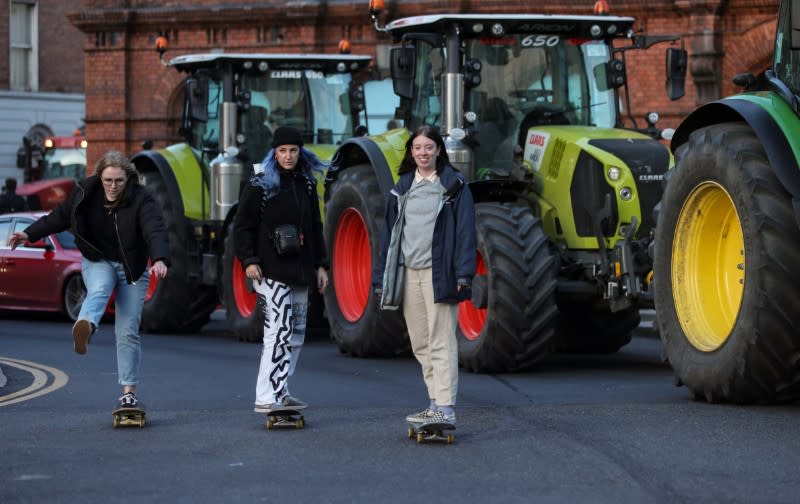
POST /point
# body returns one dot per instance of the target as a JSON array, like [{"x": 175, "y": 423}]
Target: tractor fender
[
  {"x": 361, "y": 150},
  {"x": 146, "y": 161},
  {"x": 769, "y": 133}
]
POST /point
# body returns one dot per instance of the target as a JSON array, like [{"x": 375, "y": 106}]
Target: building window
[{"x": 23, "y": 46}]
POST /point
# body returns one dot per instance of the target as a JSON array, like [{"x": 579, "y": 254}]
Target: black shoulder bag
[{"x": 288, "y": 238}]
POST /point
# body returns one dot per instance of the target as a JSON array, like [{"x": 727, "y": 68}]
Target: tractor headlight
[
  {"x": 625, "y": 193},
  {"x": 614, "y": 173}
]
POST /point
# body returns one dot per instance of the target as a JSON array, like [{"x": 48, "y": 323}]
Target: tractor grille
[
  {"x": 555, "y": 160},
  {"x": 588, "y": 193},
  {"x": 648, "y": 160}
]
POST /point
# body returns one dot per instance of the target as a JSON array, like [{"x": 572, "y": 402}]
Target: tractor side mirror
[
  {"x": 609, "y": 75},
  {"x": 676, "y": 72},
  {"x": 197, "y": 99},
  {"x": 402, "y": 71}
]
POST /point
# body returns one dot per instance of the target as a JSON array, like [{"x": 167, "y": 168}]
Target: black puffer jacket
[
  {"x": 257, "y": 217},
  {"x": 139, "y": 225}
]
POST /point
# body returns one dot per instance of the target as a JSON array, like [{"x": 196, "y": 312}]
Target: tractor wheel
[
  {"x": 177, "y": 303},
  {"x": 726, "y": 265},
  {"x": 242, "y": 306},
  {"x": 586, "y": 329},
  {"x": 353, "y": 220},
  {"x": 514, "y": 323}
]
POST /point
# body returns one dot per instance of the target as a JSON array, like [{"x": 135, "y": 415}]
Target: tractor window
[
  {"x": 206, "y": 134},
  {"x": 330, "y": 98},
  {"x": 530, "y": 81},
  {"x": 787, "y": 60},
  {"x": 277, "y": 98},
  {"x": 427, "y": 106},
  {"x": 64, "y": 162}
]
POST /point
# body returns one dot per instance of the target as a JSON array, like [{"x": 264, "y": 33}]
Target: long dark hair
[{"x": 431, "y": 132}]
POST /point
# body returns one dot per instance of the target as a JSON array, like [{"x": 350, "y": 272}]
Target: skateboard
[
  {"x": 287, "y": 417},
  {"x": 126, "y": 417},
  {"x": 432, "y": 431}
]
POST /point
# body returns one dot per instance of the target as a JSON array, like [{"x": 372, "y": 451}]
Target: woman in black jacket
[
  {"x": 278, "y": 239},
  {"x": 117, "y": 226}
]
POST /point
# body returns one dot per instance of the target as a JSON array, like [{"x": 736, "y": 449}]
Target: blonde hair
[{"x": 117, "y": 159}]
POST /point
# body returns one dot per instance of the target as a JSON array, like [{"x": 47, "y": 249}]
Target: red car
[{"x": 40, "y": 276}]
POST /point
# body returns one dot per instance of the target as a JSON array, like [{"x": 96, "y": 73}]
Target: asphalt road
[{"x": 580, "y": 429}]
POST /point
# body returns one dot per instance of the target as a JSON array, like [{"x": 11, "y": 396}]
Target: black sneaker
[{"x": 128, "y": 400}]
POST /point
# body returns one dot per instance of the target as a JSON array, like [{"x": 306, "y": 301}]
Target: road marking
[{"x": 39, "y": 387}]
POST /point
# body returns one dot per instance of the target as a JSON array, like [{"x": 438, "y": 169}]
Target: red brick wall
[
  {"x": 129, "y": 93},
  {"x": 60, "y": 47}
]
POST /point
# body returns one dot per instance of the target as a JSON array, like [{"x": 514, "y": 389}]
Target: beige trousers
[{"x": 432, "y": 330}]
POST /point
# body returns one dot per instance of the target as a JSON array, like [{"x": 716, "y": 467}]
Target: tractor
[
  {"x": 529, "y": 106},
  {"x": 725, "y": 261},
  {"x": 51, "y": 166},
  {"x": 232, "y": 104}
]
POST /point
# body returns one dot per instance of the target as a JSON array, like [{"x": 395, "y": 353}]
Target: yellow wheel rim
[{"x": 708, "y": 266}]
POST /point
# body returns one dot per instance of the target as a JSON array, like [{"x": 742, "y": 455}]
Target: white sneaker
[{"x": 421, "y": 417}]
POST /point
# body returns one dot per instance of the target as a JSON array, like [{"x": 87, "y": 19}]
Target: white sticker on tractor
[{"x": 535, "y": 147}]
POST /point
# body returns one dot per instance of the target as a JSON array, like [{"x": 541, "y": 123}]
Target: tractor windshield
[
  {"x": 314, "y": 102},
  {"x": 64, "y": 162},
  {"x": 309, "y": 100},
  {"x": 526, "y": 81}
]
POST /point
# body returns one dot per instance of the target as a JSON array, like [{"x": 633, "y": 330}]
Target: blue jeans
[{"x": 101, "y": 279}]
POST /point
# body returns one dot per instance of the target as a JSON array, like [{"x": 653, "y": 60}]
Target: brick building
[
  {"x": 41, "y": 74},
  {"x": 132, "y": 97}
]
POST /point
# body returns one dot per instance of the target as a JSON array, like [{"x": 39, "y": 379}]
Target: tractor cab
[
  {"x": 239, "y": 99},
  {"x": 492, "y": 78}
]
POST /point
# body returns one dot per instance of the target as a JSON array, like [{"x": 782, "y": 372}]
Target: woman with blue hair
[{"x": 279, "y": 241}]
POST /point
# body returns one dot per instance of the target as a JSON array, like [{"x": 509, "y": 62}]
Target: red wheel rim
[
  {"x": 243, "y": 298},
  {"x": 352, "y": 265},
  {"x": 471, "y": 319}
]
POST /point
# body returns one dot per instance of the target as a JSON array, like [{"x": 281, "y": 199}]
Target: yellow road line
[{"x": 39, "y": 386}]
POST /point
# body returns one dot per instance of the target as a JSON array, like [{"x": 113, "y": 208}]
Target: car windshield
[{"x": 526, "y": 81}]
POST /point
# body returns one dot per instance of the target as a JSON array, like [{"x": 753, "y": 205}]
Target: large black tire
[
  {"x": 726, "y": 269},
  {"x": 517, "y": 274},
  {"x": 179, "y": 303},
  {"x": 354, "y": 217},
  {"x": 583, "y": 328},
  {"x": 243, "y": 310}
]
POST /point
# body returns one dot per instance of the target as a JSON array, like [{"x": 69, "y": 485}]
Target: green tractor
[
  {"x": 528, "y": 105},
  {"x": 726, "y": 243},
  {"x": 232, "y": 104}
]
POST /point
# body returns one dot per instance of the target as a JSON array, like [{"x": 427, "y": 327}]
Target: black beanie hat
[{"x": 286, "y": 135}]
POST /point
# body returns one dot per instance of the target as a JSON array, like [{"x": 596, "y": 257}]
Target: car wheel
[{"x": 74, "y": 294}]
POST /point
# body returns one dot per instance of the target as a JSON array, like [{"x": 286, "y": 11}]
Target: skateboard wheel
[
  {"x": 411, "y": 433},
  {"x": 270, "y": 423},
  {"x": 450, "y": 438},
  {"x": 420, "y": 437},
  {"x": 116, "y": 422},
  {"x": 299, "y": 423}
]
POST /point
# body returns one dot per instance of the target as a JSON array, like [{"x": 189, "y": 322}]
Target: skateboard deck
[
  {"x": 127, "y": 417},
  {"x": 287, "y": 417},
  {"x": 432, "y": 431}
]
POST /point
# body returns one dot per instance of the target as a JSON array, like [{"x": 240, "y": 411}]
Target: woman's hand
[
  {"x": 253, "y": 272},
  {"x": 158, "y": 269},
  {"x": 16, "y": 239},
  {"x": 322, "y": 279}
]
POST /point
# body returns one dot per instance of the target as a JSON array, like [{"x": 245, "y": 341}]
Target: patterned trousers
[{"x": 284, "y": 315}]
